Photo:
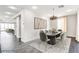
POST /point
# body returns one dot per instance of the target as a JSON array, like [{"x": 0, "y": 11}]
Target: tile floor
[
  {"x": 61, "y": 46},
  {"x": 9, "y": 44}
]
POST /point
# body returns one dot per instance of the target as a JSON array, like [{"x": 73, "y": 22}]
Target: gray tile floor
[
  {"x": 10, "y": 44},
  {"x": 61, "y": 46}
]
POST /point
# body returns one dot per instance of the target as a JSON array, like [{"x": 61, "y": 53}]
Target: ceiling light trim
[
  {"x": 34, "y": 7},
  {"x": 12, "y": 7},
  {"x": 8, "y": 13}
]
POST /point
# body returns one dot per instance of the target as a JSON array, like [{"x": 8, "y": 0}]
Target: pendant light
[{"x": 53, "y": 17}]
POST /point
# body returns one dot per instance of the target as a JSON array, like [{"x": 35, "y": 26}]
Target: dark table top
[{"x": 52, "y": 34}]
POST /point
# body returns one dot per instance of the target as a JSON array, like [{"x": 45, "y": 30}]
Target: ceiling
[{"x": 46, "y": 10}]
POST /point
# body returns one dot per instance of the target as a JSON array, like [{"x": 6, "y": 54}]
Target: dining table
[{"x": 52, "y": 37}]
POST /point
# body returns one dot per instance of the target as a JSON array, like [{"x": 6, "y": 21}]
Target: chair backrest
[
  {"x": 58, "y": 35},
  {"x": 42, "y": 36},
  {"x": 59, "y": 30},
  {"x": 46, "y": 31},
  {"x": 62, "y": 35}
]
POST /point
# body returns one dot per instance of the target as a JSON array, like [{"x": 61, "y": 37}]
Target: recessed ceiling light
[
  {"x": 8, "y": 12},
  {"x": 34, "y": 7},
  {"x": 69, "y": 10},
  {"x": 12, "y": 7}
]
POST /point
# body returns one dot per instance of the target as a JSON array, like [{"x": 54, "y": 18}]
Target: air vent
[{"x": 60, "y": 6}]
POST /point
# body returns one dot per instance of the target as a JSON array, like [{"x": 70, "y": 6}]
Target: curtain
[
  {"x": 62, "y": 23},
  {"x": 77, "y": 32}
]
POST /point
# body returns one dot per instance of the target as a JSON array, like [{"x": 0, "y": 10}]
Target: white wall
[
  {"x": 27, "y": 26},
  {"x": 17, "y": 27},
  {"x": 28, "y": 32},
  {"x": 71, "y": 25}
]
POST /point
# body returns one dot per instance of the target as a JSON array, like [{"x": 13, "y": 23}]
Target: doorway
[{"x": 18, "y": 27}]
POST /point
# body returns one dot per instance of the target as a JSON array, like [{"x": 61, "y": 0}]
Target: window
[
  {"x": 61, "y": 23},
  {"x": 2, "y": 26},
  {"x": 12, "y": 26},
  {"x": 5, "y": 26}
]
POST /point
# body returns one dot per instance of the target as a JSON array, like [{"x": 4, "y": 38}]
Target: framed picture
[{"x": 40, "y": 23}]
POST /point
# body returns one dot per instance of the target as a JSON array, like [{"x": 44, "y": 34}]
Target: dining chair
[
  {"x": 60, "y": 36},
  {"x": 59, "y": 30},
  {"x": 43, "y": 38},
  {"x": 46, "y": 31}
]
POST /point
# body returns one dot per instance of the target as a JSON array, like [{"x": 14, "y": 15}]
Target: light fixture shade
[{"x": 53, "y": 17}]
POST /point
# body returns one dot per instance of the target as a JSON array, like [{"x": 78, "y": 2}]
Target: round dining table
[{"x": 52, "y": 37}]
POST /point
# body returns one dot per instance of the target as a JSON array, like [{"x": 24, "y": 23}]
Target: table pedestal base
[
  {"x": 51, "y": 43},
  {"x": 52, "y": 40}
]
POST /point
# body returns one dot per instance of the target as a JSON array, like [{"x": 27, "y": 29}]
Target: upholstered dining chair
[
  {"x": 60, "y": 36},
  {"x": 43, "y": 39},
  {"x": 43, "y": 36},
  {"x": 59, "y": 30},
  {"x": 46, "y": 31}
]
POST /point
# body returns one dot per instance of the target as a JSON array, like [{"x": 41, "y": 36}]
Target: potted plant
[{"x": 10, "y": 30}]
